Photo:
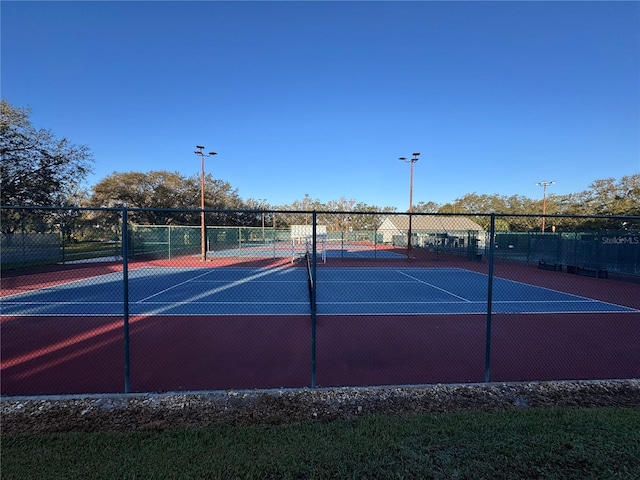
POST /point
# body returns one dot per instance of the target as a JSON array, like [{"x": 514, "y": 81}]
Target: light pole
[
  {"x": 544, "y": 186},
  {"x": 203, "y": 230},
  {"x": 411, "y": 162}
]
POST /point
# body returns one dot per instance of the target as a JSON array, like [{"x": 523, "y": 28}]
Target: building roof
[{"x": 433, "y": 222}]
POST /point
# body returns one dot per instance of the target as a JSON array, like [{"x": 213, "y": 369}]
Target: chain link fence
[{"x": 106, "y": 300}]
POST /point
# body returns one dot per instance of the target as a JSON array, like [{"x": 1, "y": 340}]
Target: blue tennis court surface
[{"x": 284, "y": 291}]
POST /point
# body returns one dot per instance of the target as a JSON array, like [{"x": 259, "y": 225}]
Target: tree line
[{"x": 39, "y": 169}]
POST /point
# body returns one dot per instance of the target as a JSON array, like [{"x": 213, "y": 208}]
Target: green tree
[
  {"x": 37, "y": 168},
  {"x": 480, "y": 203},
  {"x": 629, "y": 195},
  {"x": 71, "y": 221},
  {"x": 369, "y": 221},
  {"x": 156, "y": 191},
  {"x": 610, "y": 197},
  {"x": 606, "y": 196},
  {"x": 519, "y": 204},
  {"x": 427, "y": 207}
]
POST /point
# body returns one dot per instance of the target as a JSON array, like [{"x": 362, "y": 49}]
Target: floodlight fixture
[{"x": 545, "y": 184}]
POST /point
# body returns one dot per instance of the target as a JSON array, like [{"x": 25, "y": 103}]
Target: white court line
[
  {"x": 434, "y": 286},
  {"x": 210, "y": 292},
  {"x": 174, "y": 286},
  {"x": 228, "y": 302},
  {"x": 257, "y": 281},
  {"x": 587, "y": 299},
  {"x": 89, "y": 281},
  {"x": 448, "y": 302},
  {"x": 64, "y": 302}
]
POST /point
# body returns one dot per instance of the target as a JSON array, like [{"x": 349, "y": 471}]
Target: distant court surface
[
  {"x": 328, "y": 249},
  {"x": 175, "y": 291}
]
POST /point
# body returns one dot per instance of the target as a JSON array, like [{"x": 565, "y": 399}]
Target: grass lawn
[{"x": 530, "y": 443}]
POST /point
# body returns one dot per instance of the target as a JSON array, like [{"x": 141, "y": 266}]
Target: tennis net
[{"x": 310, "y": 279}]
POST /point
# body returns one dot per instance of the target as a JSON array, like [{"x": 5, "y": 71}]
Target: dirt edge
[{"x": 152, "y": 412}]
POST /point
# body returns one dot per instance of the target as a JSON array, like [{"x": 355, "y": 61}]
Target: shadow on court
[{"x": 233, "y": 352}]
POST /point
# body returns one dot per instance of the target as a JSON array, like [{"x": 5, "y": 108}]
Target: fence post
[
  {"x": 274, "y": 241},
  {"x": 375, "y": 243},
  {"x": 125, "y": 286},
  {"x": 23, "y": 257},
  {"x": 487, "y": 355},
  {"x": 314, "y": 219},
  {"x": 63, "y": 248}
]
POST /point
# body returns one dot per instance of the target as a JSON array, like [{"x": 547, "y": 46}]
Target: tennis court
[
  {"x": 314, "y": 299},
  {"x": 283, "y": 291},
  {"x": 245, "y": 322}
]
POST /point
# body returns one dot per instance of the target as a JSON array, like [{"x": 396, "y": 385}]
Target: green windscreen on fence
[
  {"x": 27, "y": 248},
  {"x": 164, "y": 241},
  {"x": 617, "y": 252}
]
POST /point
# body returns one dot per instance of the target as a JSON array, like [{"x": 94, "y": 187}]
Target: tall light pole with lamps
[
  {"x": 203, "y": 229},
  {"x": 411, "y": 162},
  {"x": 544, "y": 186}
]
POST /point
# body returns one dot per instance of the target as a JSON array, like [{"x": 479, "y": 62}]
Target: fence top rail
[{"x": 324, "y": 212}]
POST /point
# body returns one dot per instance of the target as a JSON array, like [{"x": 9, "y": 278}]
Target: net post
[
  {"x": 487, "y": 355},
  {"x": 125, "y": 286}
]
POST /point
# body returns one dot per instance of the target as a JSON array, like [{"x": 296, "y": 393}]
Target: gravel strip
[{"x": 149, "y": 412}]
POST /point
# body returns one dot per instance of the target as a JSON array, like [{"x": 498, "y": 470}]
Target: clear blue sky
[{"x": 321, "y": 98}]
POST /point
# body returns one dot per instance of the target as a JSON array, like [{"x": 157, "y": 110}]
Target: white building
[{"x": 447, "y": 232}]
